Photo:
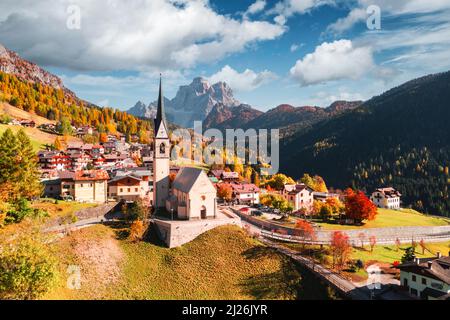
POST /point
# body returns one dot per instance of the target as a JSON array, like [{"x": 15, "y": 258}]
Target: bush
[{"x": 27, "y": 270}]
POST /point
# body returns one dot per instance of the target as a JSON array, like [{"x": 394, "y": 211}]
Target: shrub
[{"x": 27, "y": 270}]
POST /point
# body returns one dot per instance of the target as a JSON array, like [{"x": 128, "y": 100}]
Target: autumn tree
[
  {"x": 317, "y": 183},
  {"x": 358, "y": 207},
  {"x": 136, "y": 230},
  {"x": 422, "y": 245},
  {"x": 372, "y": 242},
  {"x": 225, "y": 192},
  {"x": 103, "y": 137},
  {"x": 305, "y": 229},
  {"x": 340, "y": 248},
  {"x": 57, "y": 144},
  {"x": 27, "y": 268},
  {"x": 279, "y": 180},
  {"x": 362, "y": 237}
]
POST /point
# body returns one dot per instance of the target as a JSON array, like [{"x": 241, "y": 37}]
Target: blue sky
[{"x": 302, "y": 52}]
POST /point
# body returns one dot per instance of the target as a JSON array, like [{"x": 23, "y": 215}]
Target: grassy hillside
[
  {"x": 37, "y": 137},
  {"x": 223, "y": 263},
  {"x": 6, "y": 108}
]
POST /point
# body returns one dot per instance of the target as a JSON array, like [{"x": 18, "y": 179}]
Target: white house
[
  {"x": 388, "y": 198},
  {"x": 300, "y": 196},
  {"x": 245, "y": 193},
  {"x": 427, "y": 278}
]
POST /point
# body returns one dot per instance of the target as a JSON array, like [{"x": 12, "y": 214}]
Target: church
[
  {"x": 190, "y": 200},
  {"x": 192, "y": 195}
]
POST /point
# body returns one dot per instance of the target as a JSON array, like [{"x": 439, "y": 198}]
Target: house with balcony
[
  {"x": 388, "y": 198},
  {"x": 427, "y": 278}
]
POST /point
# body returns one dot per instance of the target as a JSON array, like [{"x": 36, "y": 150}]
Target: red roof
[
  {"x": 91, "y": 175},
  {"x": 244, "y": 187}
]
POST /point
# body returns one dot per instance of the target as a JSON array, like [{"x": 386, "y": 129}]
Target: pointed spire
[{"x": 160, "y": 113}]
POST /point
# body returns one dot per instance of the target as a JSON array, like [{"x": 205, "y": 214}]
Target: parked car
[{"x": 257, "y": 213}]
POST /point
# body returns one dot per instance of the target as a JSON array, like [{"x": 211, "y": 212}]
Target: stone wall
[{"x": 177, "y": 233}]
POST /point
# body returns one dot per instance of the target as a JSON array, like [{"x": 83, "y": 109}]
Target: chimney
[
  {"x": 430, "y": 263},
  {"x": 417, "y": 261},
  {"x": 438, "y": 254}
]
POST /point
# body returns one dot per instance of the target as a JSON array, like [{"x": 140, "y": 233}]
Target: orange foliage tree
[
  {"x": 358, "y": 207},
  {"x": 305, "y": 229},
  {"x": 225, "y": 192},
  {"x": 340, "y": 248}
]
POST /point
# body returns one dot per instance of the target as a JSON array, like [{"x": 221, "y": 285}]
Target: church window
[{"x": 162, "y": 148}]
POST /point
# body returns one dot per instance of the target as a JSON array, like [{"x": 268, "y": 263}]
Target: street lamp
[{"x": 171, "y": 212}]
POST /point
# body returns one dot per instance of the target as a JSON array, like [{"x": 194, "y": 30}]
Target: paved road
[{"x": 387, "y": 235}]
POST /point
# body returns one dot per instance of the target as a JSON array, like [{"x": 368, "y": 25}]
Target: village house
[
  {"x": 300, "y": 196},
  {"x": 130, "y": 187},
  {"x": 79, "y": 160},
  {"x": 229, "y": 176},
  {"x": 388, "y": 198},
  {"x": 323, "y": 196},
  {"x": 427, "y": 278},
  {"x": 245, "y": 193},
  {"x": 84, "y": 130},
  {"x": 85, "y": 185},
  {"x": 54, "y": 160},
  {"x": 193, "y": 196},
  {"x": 74, "y": 146}
]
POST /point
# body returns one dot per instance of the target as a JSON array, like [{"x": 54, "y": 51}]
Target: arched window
[{"x": 162, "y": 148}]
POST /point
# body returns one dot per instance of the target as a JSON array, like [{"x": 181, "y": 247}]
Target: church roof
[
  {"x": 160, "y": 113},
  {"x": 186, "y": 178}
]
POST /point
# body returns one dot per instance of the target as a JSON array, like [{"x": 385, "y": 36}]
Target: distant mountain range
[
  {"x": 216, "y": 106},
  {"x": 400, "y": 139},
  {"x": 192, "y": 102}
]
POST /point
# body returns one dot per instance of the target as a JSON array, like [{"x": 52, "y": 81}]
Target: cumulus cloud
[
  {"x": 247, "y": 80},
  {"x": 132, "y": 34},
  {"x": 333, "y": 61}
]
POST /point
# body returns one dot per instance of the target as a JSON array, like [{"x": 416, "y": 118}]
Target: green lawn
[
  {"x": 61, "y": 208},
  {"x": 389, "y": 253},
  {"x": 223, "y": 263},
  {"x": 393, "y": 218}
]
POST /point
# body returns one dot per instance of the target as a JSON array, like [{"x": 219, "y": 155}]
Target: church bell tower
[{"x": 161, "y": 155}]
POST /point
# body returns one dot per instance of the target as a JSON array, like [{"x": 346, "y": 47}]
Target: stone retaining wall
[{"x": 177, "y": 233}]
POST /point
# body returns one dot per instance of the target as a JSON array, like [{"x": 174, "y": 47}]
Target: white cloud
[
  {"x": 247, "y": 80},
  {"x": 343, "y": 24},
  {"x": 256, "y": 7},
  {"x": 133, "y": 34},
  {"x": 333, "y": 61},
  {"x": 294, "y": 47},
  {"x": 388, "y": 8}
]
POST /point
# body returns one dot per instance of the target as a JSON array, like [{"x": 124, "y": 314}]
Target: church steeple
[{"x": 160, "y": 113}]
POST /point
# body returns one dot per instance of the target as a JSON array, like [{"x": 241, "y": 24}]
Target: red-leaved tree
[
  {"x": 340, "y": 249},
  {"x": 358, "y": 207},
  {"x": 305, "y": 229}
]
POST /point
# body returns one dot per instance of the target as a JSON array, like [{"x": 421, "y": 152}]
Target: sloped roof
[
  {"x": 91, "y": 175},
  {"x": 187, "y": 177}
]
